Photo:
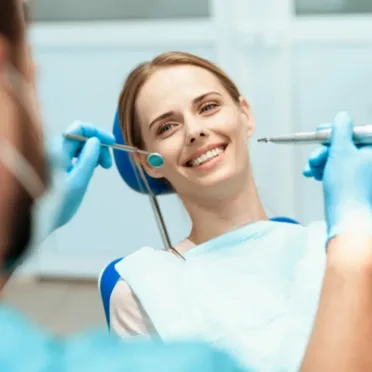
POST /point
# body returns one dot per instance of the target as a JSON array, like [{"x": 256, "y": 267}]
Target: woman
[{"x": 244, "y": 285}]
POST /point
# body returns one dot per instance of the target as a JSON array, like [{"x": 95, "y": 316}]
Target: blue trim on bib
[{"x": 107, "y": 283}]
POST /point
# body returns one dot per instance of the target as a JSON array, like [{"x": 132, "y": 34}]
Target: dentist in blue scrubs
[{"x": 35, "y": 180}]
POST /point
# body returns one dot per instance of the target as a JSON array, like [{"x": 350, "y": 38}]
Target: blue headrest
[{"x": 130, "y": 173}]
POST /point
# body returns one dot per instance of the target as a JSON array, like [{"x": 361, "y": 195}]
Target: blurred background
[{"x": 298, "y": 62}]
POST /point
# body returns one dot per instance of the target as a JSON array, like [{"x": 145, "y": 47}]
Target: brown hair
[
  {"x": 13, "y": 15},
  {"x": 16, "y": 218},
  {"x": 14, "y": 19},
  {"x": 127, "y": 113}
]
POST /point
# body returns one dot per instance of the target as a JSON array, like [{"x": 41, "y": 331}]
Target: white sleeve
[{"x": 127, "y": 316}]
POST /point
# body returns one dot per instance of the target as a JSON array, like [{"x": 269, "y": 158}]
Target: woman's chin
[
  {"x": 218, "y": 173},
  {"x": 219, "y": 180}
]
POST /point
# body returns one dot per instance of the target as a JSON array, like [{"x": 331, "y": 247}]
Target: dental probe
[
  {"x": 155, "y": 160},
  {"x": 362, "y": 135}
]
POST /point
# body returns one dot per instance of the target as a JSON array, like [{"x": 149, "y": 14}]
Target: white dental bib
[{"x": 253, "y": 291}]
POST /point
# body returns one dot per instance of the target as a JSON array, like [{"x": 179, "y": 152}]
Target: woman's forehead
[{"x": 175, "y": 85}]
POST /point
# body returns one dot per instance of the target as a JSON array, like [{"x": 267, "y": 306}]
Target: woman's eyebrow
[
  {"x": 166, "y": 115},
  {"x": 200, "y": 98},
  {"x": 169, "y": 114}
]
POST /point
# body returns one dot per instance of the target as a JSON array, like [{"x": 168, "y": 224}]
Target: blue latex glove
[
  {"x": 82, "y": 159},
  {"x": 346, "y": 172},
  {"x": 317, "y": 159}
]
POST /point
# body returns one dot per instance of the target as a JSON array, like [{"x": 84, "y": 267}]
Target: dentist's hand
[
  {"x": 82, "y": 159},
  {"x": 346, "y": 172},
  {"x": 317, "y": 159}
]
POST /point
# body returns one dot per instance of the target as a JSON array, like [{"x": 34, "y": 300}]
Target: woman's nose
[
  {"x": 195, "y": 132},
  {"x": 195, "y": 136}
]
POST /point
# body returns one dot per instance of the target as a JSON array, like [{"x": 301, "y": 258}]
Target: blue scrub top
[{"x": 26, "y": 348}]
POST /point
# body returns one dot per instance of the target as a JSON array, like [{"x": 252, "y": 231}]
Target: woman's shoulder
[
  {"x": 127, "y": 316},
  {"x": 123, "y": 300}
]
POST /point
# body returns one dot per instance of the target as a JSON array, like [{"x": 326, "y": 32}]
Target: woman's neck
[{"x": 212, "y": 217}]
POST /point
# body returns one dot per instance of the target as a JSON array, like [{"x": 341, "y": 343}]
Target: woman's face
[{"x": 188, "y": 117}]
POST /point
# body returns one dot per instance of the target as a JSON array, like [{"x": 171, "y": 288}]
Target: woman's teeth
[{"x": 206, "y": 157}]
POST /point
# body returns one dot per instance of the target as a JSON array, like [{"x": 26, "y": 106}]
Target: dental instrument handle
[
  {"x": 362, "y": 135},
  {"x": 162, "y": 227},
  {"x": 115, "y": 146}
]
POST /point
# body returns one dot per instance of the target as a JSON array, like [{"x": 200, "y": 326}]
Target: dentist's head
[{"x": 22, "y": 167}]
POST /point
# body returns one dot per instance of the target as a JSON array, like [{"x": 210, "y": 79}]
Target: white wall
[
  {"x": 330, "y": 76},
  {"x": 296, "y": 73},
  {"x": 87, "y": 10}
]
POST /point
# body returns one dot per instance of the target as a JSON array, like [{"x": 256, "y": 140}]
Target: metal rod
[
  {"x": 115, "y": 146},
  {"x": 162, "y": 227}
]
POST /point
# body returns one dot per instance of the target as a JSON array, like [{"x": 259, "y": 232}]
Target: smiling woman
[
  {"x": 241, "y": 284},
  {"x": 183, "y": 106}
]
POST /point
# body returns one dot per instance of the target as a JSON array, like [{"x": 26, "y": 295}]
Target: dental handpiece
[
  {"x": 153, "y": 159},
  {"x": 362, "y": 135}
]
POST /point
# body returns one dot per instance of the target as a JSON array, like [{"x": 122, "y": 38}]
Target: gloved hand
[
  {"x": 346, "y": 172},
  {"x": 82, "y": 159},
  {"x": 317, "y": 159}
]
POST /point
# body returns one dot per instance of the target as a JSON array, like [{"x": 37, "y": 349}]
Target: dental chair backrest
[{"x": 131, "y": 176}]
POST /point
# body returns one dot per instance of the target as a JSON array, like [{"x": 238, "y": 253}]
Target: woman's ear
[
  {"x": 248, "y": 118},
  {"x": 150, "y": 171}
]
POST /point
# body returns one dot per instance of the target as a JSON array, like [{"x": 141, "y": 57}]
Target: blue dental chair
[{"x": 109, "y": 276}]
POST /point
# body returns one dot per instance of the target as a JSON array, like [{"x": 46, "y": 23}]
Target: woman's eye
[
  {"x": 164, "y": 128},
  {"x": 208, "y": 107}
]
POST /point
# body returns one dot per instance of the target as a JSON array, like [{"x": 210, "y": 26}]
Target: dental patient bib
[{"x": 253, "y": 291}]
